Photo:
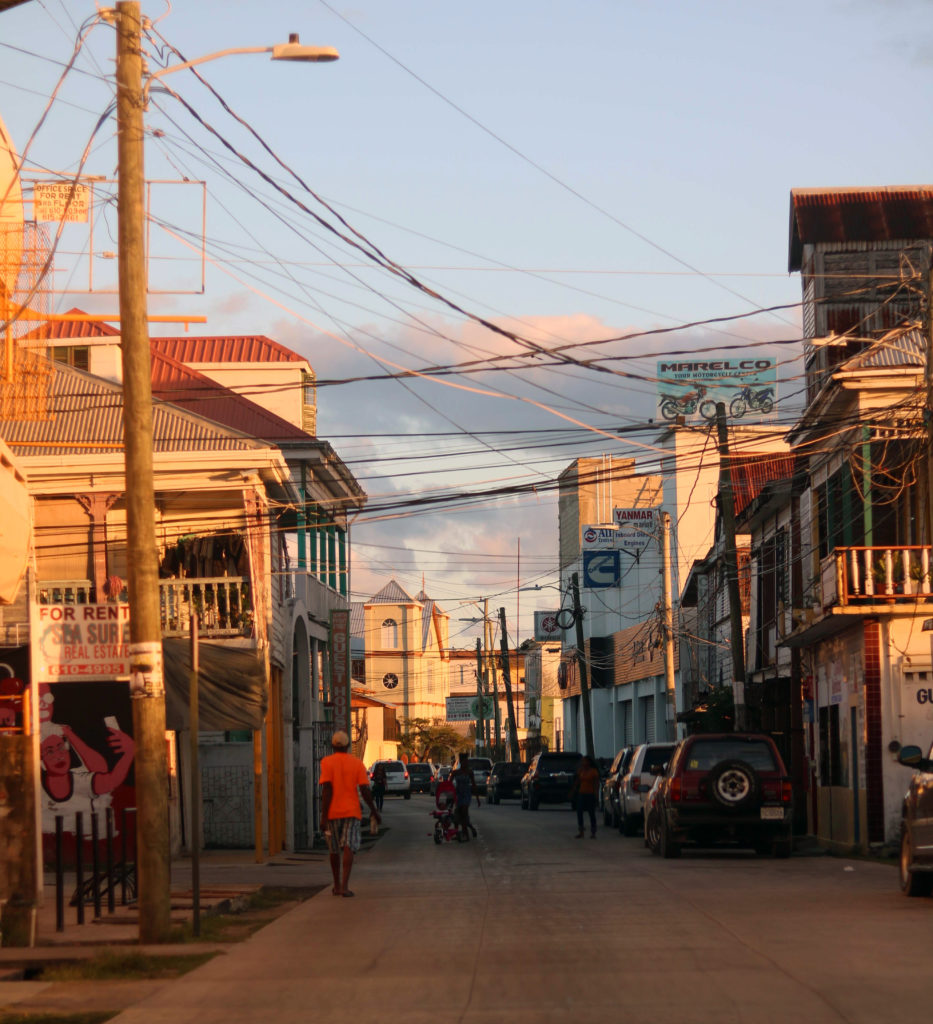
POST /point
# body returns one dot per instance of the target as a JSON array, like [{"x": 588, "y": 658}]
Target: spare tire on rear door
[{"x": 734, "y": 785}]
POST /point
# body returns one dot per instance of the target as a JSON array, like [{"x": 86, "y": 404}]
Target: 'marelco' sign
[{"x": 635, "y": 528}]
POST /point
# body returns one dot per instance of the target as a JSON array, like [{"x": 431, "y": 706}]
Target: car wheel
[
  {"x": 408, "y": 796},
  {"x": 653, "y": 833},
  {"x": 497, "y": 799},
  {"x": 533, "y": 803},
  {"x": 628, "y": 825},
  {"x": 668, "y": 846},
  {"x": 734, "y": 785},
  {"x": 438, "y": 833},
  {"x": 913, "y": 883}
]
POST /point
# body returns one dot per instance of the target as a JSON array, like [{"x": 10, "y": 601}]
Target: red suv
[{"x": 725, "y": 788}]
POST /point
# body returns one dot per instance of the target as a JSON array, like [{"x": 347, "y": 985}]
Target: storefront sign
[{"x": 340, "y": 667}]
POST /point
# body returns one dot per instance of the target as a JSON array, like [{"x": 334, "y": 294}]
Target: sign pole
[{"x": 480, "y": 703}]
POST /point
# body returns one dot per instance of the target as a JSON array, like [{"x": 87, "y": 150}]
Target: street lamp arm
[{"x": 292, "y": 50}]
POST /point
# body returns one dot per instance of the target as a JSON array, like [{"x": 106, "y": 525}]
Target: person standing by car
[
  {"x": 379, "y": 784},
  {"x": 585, "y": 786},
  {"x": 464, "y": 788},
  {"x": 343, "y": 781}
]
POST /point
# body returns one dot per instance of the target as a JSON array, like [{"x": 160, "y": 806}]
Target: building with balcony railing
[{"x": 841, "y": 575}]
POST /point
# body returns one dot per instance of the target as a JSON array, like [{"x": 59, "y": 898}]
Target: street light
[{"x": 147, "y": 685}]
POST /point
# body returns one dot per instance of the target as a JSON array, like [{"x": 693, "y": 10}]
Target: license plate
[{"x": 772, "y": 813}]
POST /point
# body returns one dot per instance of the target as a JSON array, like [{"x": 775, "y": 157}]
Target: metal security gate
[
  {"x": 227, "y": 794},
  {"x": 647, "y": 708},
  {"x": 301, "y": 808}
]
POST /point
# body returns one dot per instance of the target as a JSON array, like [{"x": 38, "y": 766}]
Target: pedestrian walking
[
  {"x": 464, "y": 789},
  {"x": 585, "y": 785},
  {"x": 379, "y": 784},
  {"x": 343, "y": 781}
]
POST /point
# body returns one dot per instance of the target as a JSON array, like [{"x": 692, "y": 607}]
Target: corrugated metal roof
[
  {"x": 890, "y": 352},
  {"x": 174, "y": 382},
  {"x": 252, "y": 348},
  {"x": 88, "y": 417},
  {"x": 750, "y": 474},
  {"x": 391, "y": 593},
  {"x": 881, "y": 214},
  {"x": 357, "y": 618},
  {"x": 55, "y": 330}
]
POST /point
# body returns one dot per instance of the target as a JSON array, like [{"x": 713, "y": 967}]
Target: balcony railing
[
  {"x": 223, "y": 603},
  {"x": 866, "y": 575}
]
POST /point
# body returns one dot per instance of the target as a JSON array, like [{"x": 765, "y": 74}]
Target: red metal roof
[
  {"x": 882, "y": 214},
  {"x": 749, "y": 476},
  {"x": 53, "y": 330},
  {"x": 252, "y": 348},
  {"x": 174, "y": 382}
]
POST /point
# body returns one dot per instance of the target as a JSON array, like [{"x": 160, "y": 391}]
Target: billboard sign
[
  {"x": 637, "y": 528},
  {"x": 61, "y": 201},
  {"x": 465, "y": 708},
  {"x": 546, "y": 627},
  {"x": 595, "y": 538},
  {"x": 340, "y": 667},
  {"x": 691, "y": 388},
  {"x": 600, "y": 569},
  {"x": 80, "y": 642}
]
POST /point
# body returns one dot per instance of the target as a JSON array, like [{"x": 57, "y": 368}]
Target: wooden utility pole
[
  {"x": 194, "y": 727},
  {"x": 480, "y": 698},
  {"x": 928, "y": 376},
  {"x": 581, "y": 661},
  {"x": 514, "y": 751},
  {"x": 667, "y": 626},
  {"x": 491, "y": 662},
  {"x": 145, "y": 649},
  {"x": 731, "y": 558}
]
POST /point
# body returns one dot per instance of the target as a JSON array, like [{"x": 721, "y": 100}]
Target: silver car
[
  {"x": 637, "y": 784},
  {"x": 397, "y": 778}
]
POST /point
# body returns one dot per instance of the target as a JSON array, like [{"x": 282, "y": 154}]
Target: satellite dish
[{"x": 11, "y": 216}]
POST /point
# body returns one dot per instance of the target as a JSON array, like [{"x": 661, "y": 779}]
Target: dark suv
[
  {"x": 916, "y": 860},
  {"x": 505, "y": 780},
  {"x": 728, "y": 787},
  {"x": 421, "y": 774},
  {"x": 549, "y": 778}
]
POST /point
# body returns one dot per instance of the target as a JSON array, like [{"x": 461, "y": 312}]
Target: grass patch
[
  {"x": 261, "y": 907},
  {"x": 89, "y": 1017},
  {"x": 112, "y": 964}
]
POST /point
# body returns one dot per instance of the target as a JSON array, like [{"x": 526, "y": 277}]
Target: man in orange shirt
[{"x": 344, "y": 779}]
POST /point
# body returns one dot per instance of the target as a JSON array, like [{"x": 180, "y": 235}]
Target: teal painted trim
[
  {"x": 302, "y": 522},
  {"x": 332, "y": 556},
  {"x": 342, "y": 561}
]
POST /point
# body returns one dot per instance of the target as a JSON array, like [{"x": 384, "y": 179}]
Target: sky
[{"x": 567, "y": 172}]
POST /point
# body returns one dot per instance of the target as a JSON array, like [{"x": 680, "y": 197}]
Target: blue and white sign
[
  {"x": 594, "y": 538},
  {"x": 691, "y": 388},
  {"x": 600, "y": 569}
]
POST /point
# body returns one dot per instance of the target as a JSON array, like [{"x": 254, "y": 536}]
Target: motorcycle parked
[
  {"x": 673, "y": 406},
  {"x": 749, "y": 400}
]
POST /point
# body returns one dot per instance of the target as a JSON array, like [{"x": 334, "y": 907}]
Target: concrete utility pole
[
  {"x": 145, "y": 650},
  {"x": 514, "y": 751},
  {"x": 491, "y": 662},
  {"x": 667, "y": 625},
  {"x": 731, "y": 558},
  {"x": 584, "y": 681}
]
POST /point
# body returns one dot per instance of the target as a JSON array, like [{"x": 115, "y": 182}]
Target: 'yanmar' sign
[
  {"x": 635, "y": 528},
  {"x": 690, "y": 389}
]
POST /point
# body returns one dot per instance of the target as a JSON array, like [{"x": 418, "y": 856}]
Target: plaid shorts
[{"x": 343, "y": 833}]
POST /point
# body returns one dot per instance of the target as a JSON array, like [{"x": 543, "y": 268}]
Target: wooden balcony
[
  {"x": 223, "y": 603},
  {"x": 855, "y": 576}
]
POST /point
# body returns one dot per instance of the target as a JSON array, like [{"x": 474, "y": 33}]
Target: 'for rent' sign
[{"x": 77, "y": 642}]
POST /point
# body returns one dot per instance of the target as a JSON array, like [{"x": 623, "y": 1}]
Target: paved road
[{"x": 529, "y": 924}]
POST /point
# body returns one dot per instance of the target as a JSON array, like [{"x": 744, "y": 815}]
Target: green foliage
[
  {"x": 714, "y": 711},
  {"x": 425, "y": 740}
]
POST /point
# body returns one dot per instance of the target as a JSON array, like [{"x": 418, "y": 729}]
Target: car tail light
[
  {"x": 635, "y": 781},
  {"x": 676, "y": 790},
  {"x": 405, "y": 774},
  {"x": 787, "y": 791}
]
